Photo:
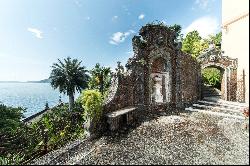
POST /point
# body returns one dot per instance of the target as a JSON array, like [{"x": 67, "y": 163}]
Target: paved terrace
[{"x": 186, "y": 138}]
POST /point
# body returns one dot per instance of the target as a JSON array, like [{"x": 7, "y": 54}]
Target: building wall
[{"x": 235, "y": 37}]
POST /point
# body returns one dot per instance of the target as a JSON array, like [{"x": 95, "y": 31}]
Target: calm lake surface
[{"x": 32, "y": 96}]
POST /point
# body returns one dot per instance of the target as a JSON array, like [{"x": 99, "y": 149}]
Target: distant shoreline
[
  {"x": 22, "y": 82},
  {"x": 41, "y": 81}
]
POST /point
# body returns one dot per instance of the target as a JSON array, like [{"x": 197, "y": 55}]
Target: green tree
[
  {"x": 69, "y": 77},
  {"x": 100, "y": 78},
  {"x": 177, "y": 29},
  {"x": 193, "y": 44},
  {"x": 216, "y": 39},
  {"x": 10, "y": 118}
]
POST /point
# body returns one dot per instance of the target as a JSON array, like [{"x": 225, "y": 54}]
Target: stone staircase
[
  {"x": 219, "y": 107},
  {"x": 209, "y": 91}
]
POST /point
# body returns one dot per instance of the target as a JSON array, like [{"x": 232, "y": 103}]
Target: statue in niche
[
  {"x": 160, "y": 77},
  {"x": 157, "y": 95}
]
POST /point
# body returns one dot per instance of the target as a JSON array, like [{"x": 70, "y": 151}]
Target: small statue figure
[{"x": 46, "y": 105}]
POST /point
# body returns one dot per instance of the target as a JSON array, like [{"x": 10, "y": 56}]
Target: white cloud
[
  {"x": 114, "y": 18},
  {"x": 36, "y": 32},
  {"x": 78, "y": 3},
  {"x": 141, "y": 16},
  {"x": 2, "y": 54},
  {"x": 204, "y": 25},
  {"x": 120, "y": 37},
  {"x": 202, "y": 3},
  {"x": 87, "y": 18}
]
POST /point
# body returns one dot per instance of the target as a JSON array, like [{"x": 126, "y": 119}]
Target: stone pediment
[
  {"x": 213, "y": 57},
  {"x": 155, "y": 36},
  {"x": 210, "y": 54}
]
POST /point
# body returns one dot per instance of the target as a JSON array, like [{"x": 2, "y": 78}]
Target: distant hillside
[
  {"x": 41, "y": 81},
  {"x": 11, "y": 82}
]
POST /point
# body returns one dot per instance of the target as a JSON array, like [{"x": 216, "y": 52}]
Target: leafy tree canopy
[
  {"x": 69, "y": 76},
  {"x": 194, "y": 45},
  {"x": 177, "y": 29},
  {"x": 100, "y": 78}
]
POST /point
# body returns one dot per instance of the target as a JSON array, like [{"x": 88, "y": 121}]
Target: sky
[{"x": 34, "y": 34}]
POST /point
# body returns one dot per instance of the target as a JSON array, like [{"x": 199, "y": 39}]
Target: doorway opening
[{"x": 213, "y": 79}]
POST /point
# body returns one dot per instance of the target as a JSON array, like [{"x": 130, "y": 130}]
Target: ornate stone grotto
[
  {"x": 159, "y": 77},
  {"x": 213, "y": 57}
]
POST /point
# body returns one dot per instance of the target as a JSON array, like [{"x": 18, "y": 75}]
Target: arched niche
[{"x": 160, "y": 80}]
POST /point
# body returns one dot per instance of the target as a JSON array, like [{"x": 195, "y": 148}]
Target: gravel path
[{"x": 194, "y": 138}]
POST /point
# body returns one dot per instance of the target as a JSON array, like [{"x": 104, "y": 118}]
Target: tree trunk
[{"x": 71, "y": 101}]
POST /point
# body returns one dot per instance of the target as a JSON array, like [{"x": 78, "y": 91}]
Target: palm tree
[
  {"x": 100, "y": 78},
  {"x": 69, "y": 77}
]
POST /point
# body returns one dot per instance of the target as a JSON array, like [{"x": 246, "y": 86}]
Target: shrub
[
  {"x": 212, "y": 76},
  {"x": 10, "y": 118},
  {"x": 91, "y": 101},
  {"x": 61, "y": 125},
  {"x": 11, "y": 160}
]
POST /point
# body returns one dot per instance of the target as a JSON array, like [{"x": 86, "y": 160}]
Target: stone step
[
  {"x": 214, "y": 113},
  {"x": 220, "y": 104},
  {"x": 219, "y": 109},
  {"x": 209, "y": 89},
  {"x": 210, "y": 92},
  {"x": 210, "y": 95},
  {"x": 217, "y": 100}
]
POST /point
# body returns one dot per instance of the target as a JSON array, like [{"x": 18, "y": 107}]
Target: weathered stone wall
[
  {"x": 155, "y": 51},
  {"x": 190, "y": 78},
  {"x": 121, "y": 94}
]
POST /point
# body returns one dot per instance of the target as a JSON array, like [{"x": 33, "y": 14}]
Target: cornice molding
[{"x": 235, "y": 19}]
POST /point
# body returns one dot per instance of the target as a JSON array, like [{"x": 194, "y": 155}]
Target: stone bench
[{"x": 121, "y": 117}]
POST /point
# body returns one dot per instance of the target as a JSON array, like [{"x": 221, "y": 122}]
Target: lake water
[{"x": 32, "y": 96}]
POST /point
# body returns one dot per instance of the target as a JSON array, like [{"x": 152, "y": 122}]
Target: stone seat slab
[
  {"x": 114, "y": 118},
  {"x": 120, "y": 112}
]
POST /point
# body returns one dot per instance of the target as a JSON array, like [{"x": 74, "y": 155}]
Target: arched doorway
[
  {"x": 212, "y": 58},
  {"x": 212, "y": 81}
]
